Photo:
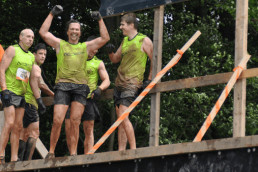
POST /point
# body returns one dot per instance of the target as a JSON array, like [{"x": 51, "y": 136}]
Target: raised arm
[
  {"x": 147, "y": 47},
  {"x": 104, "y": 36},
  {"x": 48, "y": 37},
  {"x": 5, "y": 63}
]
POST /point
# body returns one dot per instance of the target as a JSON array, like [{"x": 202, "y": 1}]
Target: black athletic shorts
[
  {"x": 15, "y": 100},
  {"x": 91, "y": 112},
  {"x": 65, "y": 93},
  {"x": 124, "y": 96},
  {"x": 30, "y": 115}
]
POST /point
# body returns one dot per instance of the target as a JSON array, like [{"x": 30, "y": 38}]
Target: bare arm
[
  {"x": 103, "y": 76},
  {"x": 147, "y": 47},
  {"x": 5, "y": 63},
  {"x": 116, "y": 57},
  {"x": 34, "y": 80},
  {"x": 43, "y": 87},
  {"x": 48, "y": 37},
  {"x": 100, "y": 41}
]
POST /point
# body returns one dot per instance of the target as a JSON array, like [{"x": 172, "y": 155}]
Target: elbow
[
  {"x": 112, "y": 59},
  {"x": 42, "y": 33},
  {"x": 108, "y": 38},
  {"x": 42, "y": 86},
  {"x": 108, "y": 83}
]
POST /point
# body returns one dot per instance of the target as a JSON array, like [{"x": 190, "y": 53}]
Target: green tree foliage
[{"x": 182, "y": 111}]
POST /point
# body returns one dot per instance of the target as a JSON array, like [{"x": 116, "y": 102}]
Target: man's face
[
  {"x": 74, "y": 31},
  {"x": 40, "y": 56},
  {"x": 125, "y": 27},
  {"x": 27, "y": 38}
]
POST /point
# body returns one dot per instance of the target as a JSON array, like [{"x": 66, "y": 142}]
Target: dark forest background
[{"x": 182, "y": 111}]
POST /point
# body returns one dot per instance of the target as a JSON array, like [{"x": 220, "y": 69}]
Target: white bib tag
[{"x": 22, "y": 75}]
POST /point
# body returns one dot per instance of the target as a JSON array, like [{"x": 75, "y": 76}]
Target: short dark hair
[
  {"x": 90, "y": 38},
  {"x": 40, "y": 46},
  {"x": 130, "y": 18},
  {"x": 72, "y": 21}
]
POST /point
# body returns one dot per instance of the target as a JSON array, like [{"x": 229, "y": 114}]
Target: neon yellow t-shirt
[
  {"x": 133, "y": 63},
  {"x": 18, "y": 72},
  {"x": 92, "y": 73},
  {"x": 29, "y": 96},
  {"x": 71, "y": 63}
]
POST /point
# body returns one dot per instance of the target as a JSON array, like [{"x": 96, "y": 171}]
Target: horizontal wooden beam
[
  {"x": 182, "y": 83},
  {"x": 201, "y": 81},
  {"x": 140, "y": 153}
]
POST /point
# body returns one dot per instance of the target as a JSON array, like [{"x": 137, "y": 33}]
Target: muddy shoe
[
  {"x": 2, "y": 160},
  {"x": 18, "y": 159},
  {"x": 50, "y": 156}
]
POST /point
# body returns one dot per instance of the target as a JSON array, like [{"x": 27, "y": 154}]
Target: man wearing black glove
[
  {"x": 58, "y": 9},
  {"x": 34, "y": 106},
  {"x": 110, "y": 48},
  {"x": 6, "y": 97},
  {"x": 71, "y": 79},
  {"x": 95, "y": 70},
  {"x": 15, "y": 67},
  {"x": 132, "y": 55}
]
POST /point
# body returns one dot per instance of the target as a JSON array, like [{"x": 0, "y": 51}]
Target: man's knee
[
  {"x": 88, "y": 127},
  {"x": 17, "y": 127},
  {"x": 75, "y": 121},
  {"x": 34, "y": 134},
  {"x": 57, "y": 122},
  {"x": 9, "y": 125}
]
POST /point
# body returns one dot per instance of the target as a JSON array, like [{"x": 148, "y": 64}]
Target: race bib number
[{"x": 22, "y": 75}]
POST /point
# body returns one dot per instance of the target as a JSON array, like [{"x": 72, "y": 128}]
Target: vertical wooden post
[
  {"x": 1, "y": 121},
  {"x": 157, "y": 63},
  {"x": 240, "y": 52}
]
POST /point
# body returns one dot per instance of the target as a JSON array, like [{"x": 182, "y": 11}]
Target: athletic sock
[
  {"x": 22, "y": 147},
  {"x": 30, "y": 147}
]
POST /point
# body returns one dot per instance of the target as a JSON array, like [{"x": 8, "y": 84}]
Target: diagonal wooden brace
[{"x": 222, "y": 98}]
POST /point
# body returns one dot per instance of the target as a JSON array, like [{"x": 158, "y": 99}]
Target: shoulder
[
  {"x": 62, "y": 42},
  {"x": 125, "y": 39},
  {"x": 147, "y": 40},
  {"x": 141, "y": 35},
  {"x": 97, "y": 61},
  {"x": 36, "y": 70},
  {"x": 101, "y": 66},
  {"x": 10, "y": 51}
]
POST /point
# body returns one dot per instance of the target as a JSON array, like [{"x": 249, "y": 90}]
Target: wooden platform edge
[{"x": 147, "y": 152}]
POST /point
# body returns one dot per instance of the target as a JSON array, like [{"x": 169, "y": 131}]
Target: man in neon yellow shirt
[
  {"x": 71, "y": 79},
  {"x": 34, "y": 105},
  {"x": 95, "y": 69},
  {"x": 15, "y": 69},
  {"x": 133, "y": 53}
]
